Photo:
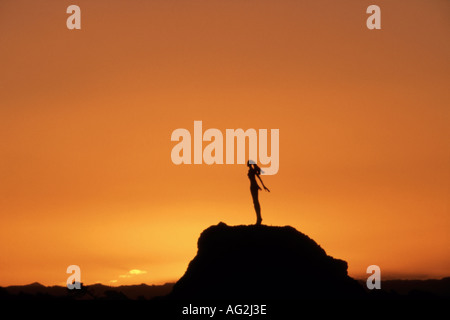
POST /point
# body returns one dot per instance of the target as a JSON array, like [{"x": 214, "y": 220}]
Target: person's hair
[{"x": 258, "y": 169}]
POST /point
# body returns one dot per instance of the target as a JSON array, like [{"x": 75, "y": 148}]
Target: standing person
[{"x": 253, "y": 172}]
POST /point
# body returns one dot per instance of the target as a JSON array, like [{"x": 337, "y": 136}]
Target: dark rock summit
[{"x": 263, "y": 262}]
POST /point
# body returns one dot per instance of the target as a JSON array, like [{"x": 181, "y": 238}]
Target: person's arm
[{"x": 265, "y": 188}]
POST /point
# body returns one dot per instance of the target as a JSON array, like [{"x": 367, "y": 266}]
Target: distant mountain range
[
  {"x": 390, "y": 289},
  {"x": 90, "y": 292},
  {"x": 412, "y": 289}
]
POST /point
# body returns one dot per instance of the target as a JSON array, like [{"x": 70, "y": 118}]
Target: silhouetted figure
[{"x": 253, "y": 172}]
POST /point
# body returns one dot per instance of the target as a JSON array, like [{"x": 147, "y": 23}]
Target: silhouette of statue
[{"x": 253, "y": 172}]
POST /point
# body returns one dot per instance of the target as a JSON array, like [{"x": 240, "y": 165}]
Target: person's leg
[
  {"x": 258, "y": 213},
  {"x": 257, "y": 206}
]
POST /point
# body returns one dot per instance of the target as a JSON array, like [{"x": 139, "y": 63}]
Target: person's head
[{"x": 253, "y": 166}]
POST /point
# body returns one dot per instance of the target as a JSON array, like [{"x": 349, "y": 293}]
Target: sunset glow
[{"x": 86, "y": 118}]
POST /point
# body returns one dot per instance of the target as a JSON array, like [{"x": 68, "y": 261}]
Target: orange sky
[{"x": 86, "y": 117}]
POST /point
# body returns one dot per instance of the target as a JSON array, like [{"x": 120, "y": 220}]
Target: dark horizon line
[{"x": 172, "y": 283}]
